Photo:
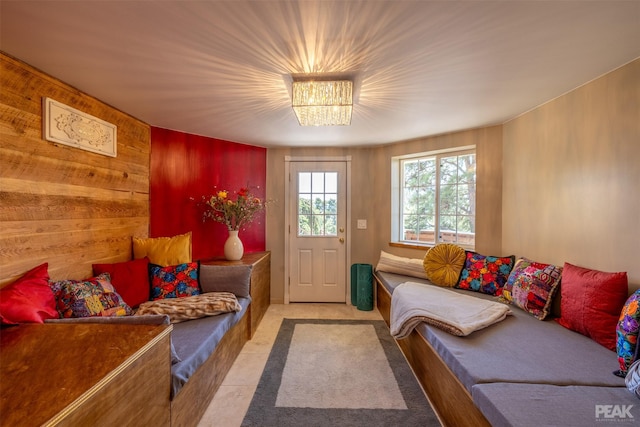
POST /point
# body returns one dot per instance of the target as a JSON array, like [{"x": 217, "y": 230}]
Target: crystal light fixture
[{"x": 322, "y": 102}]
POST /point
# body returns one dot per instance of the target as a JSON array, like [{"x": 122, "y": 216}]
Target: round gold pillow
[{"x": 443, "y": 264}]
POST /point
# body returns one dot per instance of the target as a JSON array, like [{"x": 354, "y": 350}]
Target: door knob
[
  {"x": 342, "y": 229},
  {"x": 341, "y": 240}
]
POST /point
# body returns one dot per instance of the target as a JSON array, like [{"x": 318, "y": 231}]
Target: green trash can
[{"x": 362, "y": 286}]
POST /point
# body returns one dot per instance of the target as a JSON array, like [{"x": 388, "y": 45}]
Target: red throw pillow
[
  {"x": 591, "y": 302},
  {"x": 29, "y": 299},
  {"x": 129, "y": 278}
]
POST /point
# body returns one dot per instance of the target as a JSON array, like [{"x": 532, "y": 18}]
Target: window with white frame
[{"x": 434, "y": 198}]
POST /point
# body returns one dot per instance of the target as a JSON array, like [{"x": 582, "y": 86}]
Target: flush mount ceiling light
[{"x": 322, "y": 102}]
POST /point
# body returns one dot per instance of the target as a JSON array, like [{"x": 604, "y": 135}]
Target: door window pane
[
  {"x": 317, "y": 203},
  {"x": 304, "y": 182}
]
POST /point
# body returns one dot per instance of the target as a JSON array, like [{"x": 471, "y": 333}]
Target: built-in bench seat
[
  {"x": 509, "y": 371},
  {"x": 195, "y": 340},
  {"x": 551, "y": 405}
]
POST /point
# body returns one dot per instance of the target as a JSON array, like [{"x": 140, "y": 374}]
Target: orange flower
[{"x": 632, "y": 307}]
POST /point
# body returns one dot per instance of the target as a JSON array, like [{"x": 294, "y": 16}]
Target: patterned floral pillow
[
  {"x": 531, "y": 286},
  {"x": 627, "y": 333},
  {"x": 174, "y": 281},
  {"x": 485, "y": 274},
  {"x": 89, "y": 298}
]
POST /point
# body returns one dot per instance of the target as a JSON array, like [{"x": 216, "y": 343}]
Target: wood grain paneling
[
  {"x": 60, "y": 204},
  {"x": 85, "y": 374}
]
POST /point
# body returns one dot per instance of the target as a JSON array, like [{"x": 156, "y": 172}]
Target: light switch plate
[{"x": 362, "y": 224}]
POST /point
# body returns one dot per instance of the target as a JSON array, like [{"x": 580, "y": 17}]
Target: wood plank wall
[{"x": 59, "y": 204}]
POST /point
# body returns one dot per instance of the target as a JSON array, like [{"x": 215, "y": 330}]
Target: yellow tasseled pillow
[
  {"x": 164, "y": 251},
  {"x": 443, "y": 264}
]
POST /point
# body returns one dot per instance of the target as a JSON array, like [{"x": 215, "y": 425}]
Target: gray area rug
[{"x": 337, "y": 373}]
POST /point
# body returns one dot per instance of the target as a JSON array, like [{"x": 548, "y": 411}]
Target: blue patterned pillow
[
  {"x": 174, "y": 281},
  {"x": 485, "y": 274}
]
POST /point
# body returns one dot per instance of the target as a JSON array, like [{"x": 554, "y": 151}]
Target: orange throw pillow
[{"x": 164, "y": 251}]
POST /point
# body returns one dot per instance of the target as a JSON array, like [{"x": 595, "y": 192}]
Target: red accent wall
[{"x": 184, "y": 168}]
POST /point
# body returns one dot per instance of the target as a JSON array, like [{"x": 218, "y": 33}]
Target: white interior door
[{"x": 317, "y": 235}]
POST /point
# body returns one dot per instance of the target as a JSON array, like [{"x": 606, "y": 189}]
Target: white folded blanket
[{"x": 412, "y": 303}]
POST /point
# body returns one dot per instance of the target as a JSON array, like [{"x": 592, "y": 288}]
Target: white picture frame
[{"x": 66, "y": 125}]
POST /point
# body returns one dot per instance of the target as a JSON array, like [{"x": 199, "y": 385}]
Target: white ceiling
[{"x": 223, "y": 68}]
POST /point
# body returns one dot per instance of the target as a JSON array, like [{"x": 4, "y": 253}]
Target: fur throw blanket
[{"x": 194, "y": 307}]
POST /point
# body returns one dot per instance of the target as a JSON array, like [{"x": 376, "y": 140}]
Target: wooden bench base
[
  {"x": 85, "y": 374},
  {"x": 449, "y": 398}
]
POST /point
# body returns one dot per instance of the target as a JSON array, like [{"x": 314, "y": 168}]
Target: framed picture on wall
[{"x": 66, "y": 125}]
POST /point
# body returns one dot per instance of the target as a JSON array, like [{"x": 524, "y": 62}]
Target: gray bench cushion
[
  {"x": 195, "y": 340},
  {"x": 391, "y": 280},
  {"x": 522, "y": 349},
  {"x": 523, "y": 405}
]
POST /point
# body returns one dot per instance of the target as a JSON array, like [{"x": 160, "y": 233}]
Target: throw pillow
[
  {"x": 174, "y": 281},
  {"x": 164, "y": 251},
  {"x": 627, "y": 333},
  {"x": 130, "y": 278},
  {"x": 443, "y": 263},
  {"x": 226, "y": 278},
  {"x": 591, "y": 301},
  {"x": 485, "y": 274},
  {"x": 632, "y": 379},
  {"x": 87, "y": 298},
  {"x": 29, "y": 299},
  {"x": 531, "y": 286},
  {"x": 400, "y": 265}
]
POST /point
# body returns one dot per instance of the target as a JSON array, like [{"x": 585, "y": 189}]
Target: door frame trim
[{"x": 287, "y": 217}]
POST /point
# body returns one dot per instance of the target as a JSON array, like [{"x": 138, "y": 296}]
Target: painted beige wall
[
  {"x": 370, "y": 198},
  {"x": 571, "y": 180},
  {"x": 559, "y": 183},
  {"x": 275, "y": 236},
  {"x": 488, "y": 142}
]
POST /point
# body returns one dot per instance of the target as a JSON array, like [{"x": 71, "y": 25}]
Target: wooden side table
[
  {"x": 260, "y": 290},
  {"x": 85, "y": 375}
]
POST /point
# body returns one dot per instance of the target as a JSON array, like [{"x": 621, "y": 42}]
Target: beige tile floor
[{"x": 232, "y": 400}]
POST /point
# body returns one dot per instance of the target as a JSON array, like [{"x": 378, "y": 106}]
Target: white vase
[{"x": 233, "y": 249}]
